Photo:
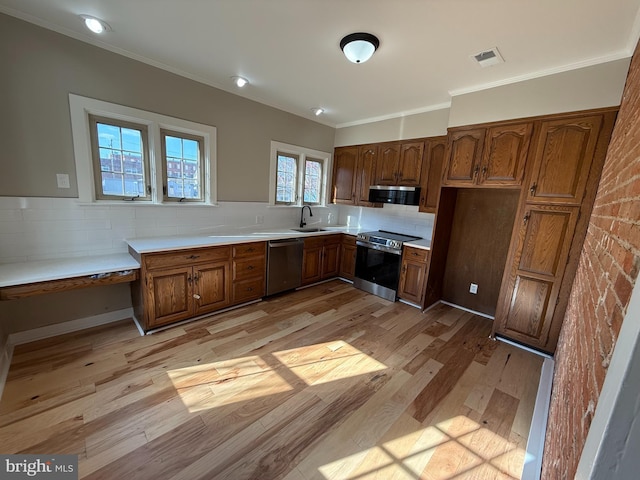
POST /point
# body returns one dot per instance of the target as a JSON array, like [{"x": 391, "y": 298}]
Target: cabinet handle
[
  {"x": 250, "y": 267},
  {"x": 475, "y": 171},
  {"x": 415, "y": 254},
  {"x": 404, "y": 269},
  {"x": 484, "y": 170},
  {"x": 250, "y": 289},
  {"x": 250, "y": 249},
  {"x": 526, "y": 218},
  {"x": 196, "y": 278},
  {"x": 189, "y": 279},
  {"x": 193, "y": 257},
  {"x": 532, "y": 190},
  {"x": 196, "y": 296}
]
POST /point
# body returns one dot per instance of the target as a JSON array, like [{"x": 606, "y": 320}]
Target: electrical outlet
[
  {"x": 259, "y": 219},
  {"x": 63, "y": 180},
  {"x": 473, "y": 288}
]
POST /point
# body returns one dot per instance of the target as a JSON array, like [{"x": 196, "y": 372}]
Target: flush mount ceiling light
[
  {"x": 359, "y": 47},
  {"x": 240, "y": 81},
  {"x": 95, "y": 24},
  {"x": 317, "y": 111}
]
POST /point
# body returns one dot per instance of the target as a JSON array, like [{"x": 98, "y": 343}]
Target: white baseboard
[
  {"x": 467, "y": 310},
  {"x": 535, "y": 443},
  {"x": 67, "y": 327}
]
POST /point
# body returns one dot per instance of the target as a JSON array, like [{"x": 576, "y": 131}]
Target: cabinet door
[
  {"x": 344, "y": 175},
  {"x": 410, "y": 164},
  {"x": 387, "y": 168},
  {"x": 348, "y": 261},
  {"x": 169, "y": 295},
  {"x": 311, "y": 265},
  {"x": 465, "y": 155},
  {"x": 505, "y": 154},
  {"x": 527, "y": 304},
  {"x": 366, "y": 172},
  {"x": 432, "y": 174},
  {"x": 563, "y": 155},
  {"x": 412, "y": 281},
  {"x": 211, "y": 287},
  {"x": 330, "y": 260}
]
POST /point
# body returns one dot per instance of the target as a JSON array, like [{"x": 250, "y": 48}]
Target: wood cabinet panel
[
  {"x": 465, "y": 155},
  {"x": 388, "y": 163},
  {"x": 186, "y": 257},
  {"x": 348, "y": 257},
  {"x": 413, "y": 274},
  {"x": 211, "y": 287},
  {"x": 562, "y": 159},
  {"x": 244, "y": 268},
  {"x": 410, "y": 164},
  {"x": 344, "y": 175},
  {"x": 330, "y": 260},
  {"x": 540, "y": 254},
  {"x": 169, "y": 295},
  {"x": 366, "y": 172},
  {"x": 505, "y": 154},
  {"x": 320, "y": 258},
  {"x": 311, "y": 264},
  {"x": 248, "y": 290},
  {"x": 431, "y": 177},
  {"x": 249, "y": 249}
]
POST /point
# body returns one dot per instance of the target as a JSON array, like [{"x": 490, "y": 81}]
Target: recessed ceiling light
[
  {"x": 95, "y": 24},
  {"x": 317, "y": 111},
  {"x": 240, "y": 81}
]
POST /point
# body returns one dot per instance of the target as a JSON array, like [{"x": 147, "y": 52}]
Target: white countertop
[
  {"x": 228, "y": 237},
  {"x": 12, "y": 274}
]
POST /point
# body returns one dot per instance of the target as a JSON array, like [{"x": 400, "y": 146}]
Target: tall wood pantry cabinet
[{"x": 565, "y": 163}]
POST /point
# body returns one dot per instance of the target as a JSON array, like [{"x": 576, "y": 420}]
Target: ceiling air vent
[{"x": 488, "y": 57}]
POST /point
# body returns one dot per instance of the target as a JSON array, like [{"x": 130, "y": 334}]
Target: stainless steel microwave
[{"x": 394, "y": 194}]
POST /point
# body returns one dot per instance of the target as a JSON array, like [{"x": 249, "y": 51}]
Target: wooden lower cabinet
[
  {"x": 178, "y": 285},
  {"x": 348, "y": 251},
  {"x": 249, "y": 268},
  {"x": 538, "y": 259},
  {"x": 321, "y": 258},
  {"x": 413, "y": 274}
]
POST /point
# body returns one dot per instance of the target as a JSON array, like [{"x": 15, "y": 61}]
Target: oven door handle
[{"x": 381, "y": 248}]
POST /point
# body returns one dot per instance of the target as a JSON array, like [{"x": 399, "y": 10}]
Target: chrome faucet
[{"x": 302, "y": 222}]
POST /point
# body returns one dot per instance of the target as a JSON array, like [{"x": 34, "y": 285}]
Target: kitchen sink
[{"x": 309, "y": 230}]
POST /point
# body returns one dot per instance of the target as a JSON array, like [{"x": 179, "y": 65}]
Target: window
[
  {"x": 120, "y": 159},
  {"x": 182, "y": 166},
  {"x": 123, "y": 153},
  {"x": 298, "y": 175}
]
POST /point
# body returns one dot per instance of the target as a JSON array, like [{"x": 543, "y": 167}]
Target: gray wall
[{"x": 41, "y": 68}]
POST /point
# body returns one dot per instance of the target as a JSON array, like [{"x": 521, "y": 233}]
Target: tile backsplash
[{"x": 46, "y": 228}]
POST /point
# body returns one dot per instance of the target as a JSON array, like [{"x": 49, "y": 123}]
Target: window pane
[
  {"x": 183, "y": 164},
  {"x": 121, "y": 160},
  {"x": 312, "y": 181},
  {"x": 286, "y": 178}
]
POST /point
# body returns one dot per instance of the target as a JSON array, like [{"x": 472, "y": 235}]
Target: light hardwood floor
[{"x": 324, "y": 383}]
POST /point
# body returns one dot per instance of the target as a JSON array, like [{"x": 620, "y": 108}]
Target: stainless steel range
[{"x": 378, "y": 261}]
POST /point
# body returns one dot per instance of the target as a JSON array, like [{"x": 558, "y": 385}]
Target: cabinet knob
[
  {"x": 475, "y": 170},
  {"x": 533, "y": 188},
  {"x": 250, "y": 267},
  {"x": 526, "y": 218},
  {"x": 484, "y": 170},
  {"x": 193, "y": 257},
  {"x": 196, "y": 296}
]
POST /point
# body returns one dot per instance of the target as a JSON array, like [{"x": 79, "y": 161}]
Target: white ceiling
[{"x": 289, "y": 49}]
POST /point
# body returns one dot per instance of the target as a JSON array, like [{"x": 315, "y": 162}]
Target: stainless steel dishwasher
[{"x": 284, "y": 265}]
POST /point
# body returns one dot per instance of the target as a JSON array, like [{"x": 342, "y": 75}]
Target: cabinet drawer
[
  {"x": 248, "y": 290},
  {"x": 186, "y": 257},
  {"x": 252, "y": 267},
  {"x": 348, "y": 240},
  {"x": 249, "y": 249},
  {"x": 416, "y": 254}
]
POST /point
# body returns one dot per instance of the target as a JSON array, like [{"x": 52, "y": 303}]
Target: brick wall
[{"x": 608, "y": 268}]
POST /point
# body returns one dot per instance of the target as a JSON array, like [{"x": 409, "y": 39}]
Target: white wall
[
  {"x": 581, "y": 89},
  {"x": 427, "y": 124}
]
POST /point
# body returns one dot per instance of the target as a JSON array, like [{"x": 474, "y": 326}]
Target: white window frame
[
  {"x": 82, "y": 107},
  {"x": 302, "y": 153}
]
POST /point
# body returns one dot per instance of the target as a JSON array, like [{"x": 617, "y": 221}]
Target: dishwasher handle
[{"x": 285, "y": 242}]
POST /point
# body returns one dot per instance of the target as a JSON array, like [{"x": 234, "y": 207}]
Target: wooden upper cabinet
[
  {"x": 434, "y": 152},
  {"x": 505, "y": 154},
  {"x": 400, "y": 164},
  {"x": 387, "y": 167},
  {"x": 465, "y": 155},
  {"x": 530, "y": 290},
  {"x": 562, "y": 158},
  {"x": 344, "y": 175},
  {"x": 410, "y": 164},
  {"x": 366, "y": 172}
]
